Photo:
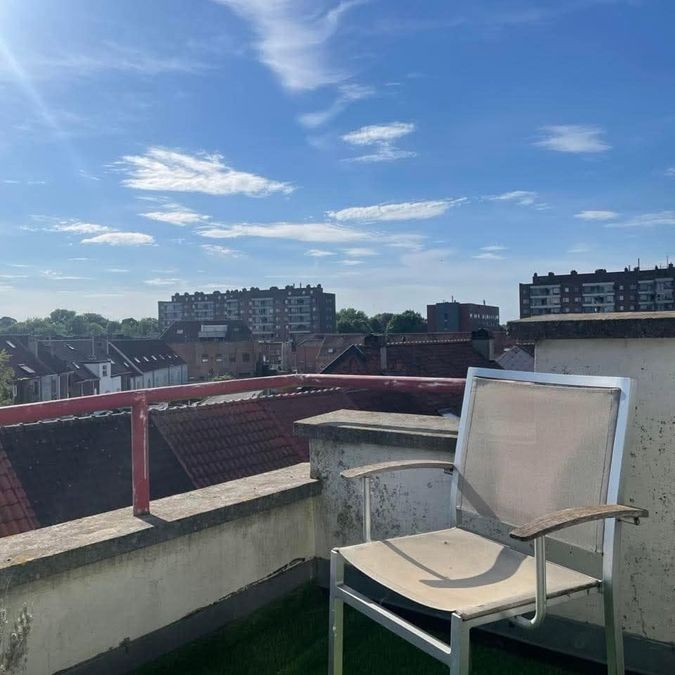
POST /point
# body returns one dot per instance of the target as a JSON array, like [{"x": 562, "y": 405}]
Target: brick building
[
  {"x": 632, "y": 290},
  {"x": 270, "y": 313},
  {"x": 461, "y": 317}
]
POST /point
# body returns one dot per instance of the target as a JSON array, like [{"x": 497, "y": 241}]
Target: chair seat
[{"x": 458, "y": 571}]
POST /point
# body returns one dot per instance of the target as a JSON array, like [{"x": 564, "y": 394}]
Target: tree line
[
  {"x": 67, "y": 323},
  {"x": 350, "y": 320}
]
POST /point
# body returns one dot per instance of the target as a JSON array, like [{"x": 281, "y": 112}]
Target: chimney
[
  {"x": 33, "y": 344},
  {"x": 483, "y": 343}
]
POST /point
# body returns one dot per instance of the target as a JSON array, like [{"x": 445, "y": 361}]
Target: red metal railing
[{"x": 139, "y": 400}]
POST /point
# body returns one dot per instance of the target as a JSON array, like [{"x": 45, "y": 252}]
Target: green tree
[
  {"x": 350, "y": 320},
  {"x": 7, "y": 324},
  {"x": 148, "y": 326},
  {"x": 379, "y": 322},
  {"x": 6, "y": 379},
  {"x": 407, "y": 322}
]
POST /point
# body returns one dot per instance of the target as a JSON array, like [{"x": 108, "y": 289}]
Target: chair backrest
[{"x": 533, "y": 443}]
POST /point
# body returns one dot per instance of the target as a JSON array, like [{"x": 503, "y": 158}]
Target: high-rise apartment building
[
  {"x": 633, "y": 290},
  {"x": 461, "y": 317},
  {"x": 277, "y": 313}
]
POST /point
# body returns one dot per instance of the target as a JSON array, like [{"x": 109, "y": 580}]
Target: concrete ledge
[
  {"x": 423, "y": 432},
  {"x": 41, "y": 553},
  {"x": 619, "y": 325}
]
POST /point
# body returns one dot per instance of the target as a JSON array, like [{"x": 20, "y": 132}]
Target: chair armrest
[
  {"x": 382, "y": 467},
  {"x": 574, "y": 516}
]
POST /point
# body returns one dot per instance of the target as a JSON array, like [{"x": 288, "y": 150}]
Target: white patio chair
[{"x": 538, "y": 459}]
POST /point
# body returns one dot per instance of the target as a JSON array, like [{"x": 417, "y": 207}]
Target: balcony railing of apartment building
[{"x": 139, "y": 401}]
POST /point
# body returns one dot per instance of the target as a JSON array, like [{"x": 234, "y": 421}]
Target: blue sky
[{"x": 398, "y": 152}]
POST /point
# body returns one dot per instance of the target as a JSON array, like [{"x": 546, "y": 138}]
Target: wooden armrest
[
  {"x": 574, "y": 516},
  {"x": 400, "y": 465}
]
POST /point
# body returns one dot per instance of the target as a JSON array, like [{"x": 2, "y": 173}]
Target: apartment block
[
  {"x": 632, "y": 290},
  {"x": 271, "y": 313},
  {"x": 463, "y": 317}
]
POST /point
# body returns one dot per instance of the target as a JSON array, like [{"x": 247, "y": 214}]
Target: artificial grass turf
[{"x": 289, "y": 637}]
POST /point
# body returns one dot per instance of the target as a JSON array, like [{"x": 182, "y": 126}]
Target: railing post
[{"x": 140, "y": 465}]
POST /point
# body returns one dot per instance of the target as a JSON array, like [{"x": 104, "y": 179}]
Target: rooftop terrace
[{"x": 233, "y": 574}]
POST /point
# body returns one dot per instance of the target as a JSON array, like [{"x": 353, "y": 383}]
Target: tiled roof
[
  {"x": 70, "y": 468},
  {"x": 147, "y": 354},
  {"x": 16, "y": 513},
  {"x": 23, "y": 361},
  {"x": 70, "y": 354},
  {"x": 188, "y": 331},
  {"x": 415, "y": 358},
  {"x": 288, "y": 408},
  {"x": 226, "y": 441}
]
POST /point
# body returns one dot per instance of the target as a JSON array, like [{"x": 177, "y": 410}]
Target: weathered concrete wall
[
  {"x": 402, "y": 502},
  {"x": 84, "y": 611},
  {"x": 648, "y": 579}
]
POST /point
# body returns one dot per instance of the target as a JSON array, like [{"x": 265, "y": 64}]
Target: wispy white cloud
[
  {"x": 359, "y": 252},
  {"x": 347, "y": 94},
  {"x": 16, "y": 181},
  {"x": 520, "y": 197},
  {"x": 318, "y": 253},
  {"x": 488, "y": 255},
  {"x": 380, "y": 137},
  {"x": 51, "y": 275},
  {"x": 647, "y": 220},
  {"x": 77, "y": 227},
  {"x": 494, "y": 248},
  {"x": 162, "y": 169},
  {"x": 400, "y": 211},
  {"x": 117, "y": 270},
  {"x": 158, "y": 281},
  {"x": 175, "y": 214},
  {"x": 670, "y": 171},
  {"x": 350, "y": 262},
  {"x": 379, "y": 133},
  {"x": 580, "y": 248},
  {"x": 596, "y": 215},
  {"x": 310, "y": 232},
  {"x": 220, "y": 251},
  {"x": 121, "y": 239},
  {"x": 292, "y": 39},
  {"x": 575, "y": 138}
]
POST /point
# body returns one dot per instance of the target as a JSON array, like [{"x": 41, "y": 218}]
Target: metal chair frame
[{"x": 456, "y": 654}]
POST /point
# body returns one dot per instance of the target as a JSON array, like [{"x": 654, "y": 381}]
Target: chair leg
[
  {"x": 613, "y": 632},
  {"x": 336, "y": 611},
  {"x": 460, "y": 647}
]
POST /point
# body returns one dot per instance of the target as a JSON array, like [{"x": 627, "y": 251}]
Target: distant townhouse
[
  {"x": 271, "y": 314},
  {"x": 84, "y": 366},
  {"x": 34, "y": 380},
  {"x": 214, "y": 348},
  {"x": 633, "y": 290},
  {"x": 152, "y": 363},
  {"x": 46, "y": 369}
]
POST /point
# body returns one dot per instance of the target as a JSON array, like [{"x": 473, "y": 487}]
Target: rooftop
[
  {"x": 594, "y": 325},
  {"x": 290, "y": 637}
]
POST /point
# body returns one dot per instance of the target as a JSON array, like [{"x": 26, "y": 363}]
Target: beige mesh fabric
[
  {"x": 537, "y": 448},
  {"x": 458, "y": 571}
]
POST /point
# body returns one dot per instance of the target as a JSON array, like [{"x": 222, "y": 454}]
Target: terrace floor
[{"x": 289, "y": 637}]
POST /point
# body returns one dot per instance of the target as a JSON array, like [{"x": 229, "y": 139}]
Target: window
[
  {"x": 233, "y": 358},
  {"x": 205, "y": 358},
  {"x": 104, "y": 370},
  {"x": 219, "y": 358},
  {"x": 245, "y": 357}
]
